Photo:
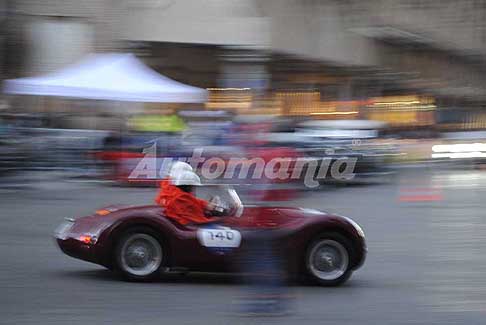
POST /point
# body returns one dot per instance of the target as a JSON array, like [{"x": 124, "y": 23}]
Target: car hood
[{"x": 113, "y": 208}]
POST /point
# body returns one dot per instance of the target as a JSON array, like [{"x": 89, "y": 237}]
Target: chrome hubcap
[
  {"x": 141, "y": 254},
  {"x": 328, "y": 260}
]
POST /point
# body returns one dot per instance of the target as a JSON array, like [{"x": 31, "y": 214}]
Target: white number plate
[{"x": 223, "y": 237}]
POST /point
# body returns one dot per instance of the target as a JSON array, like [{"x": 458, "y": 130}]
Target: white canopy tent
[{"x": 114, "y": 76}]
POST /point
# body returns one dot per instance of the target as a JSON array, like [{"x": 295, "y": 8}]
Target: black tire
[
  {"x": 148, "y": 250},
  {"x": 316, "y": 272}
]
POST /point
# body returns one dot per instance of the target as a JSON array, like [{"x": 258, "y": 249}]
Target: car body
[{"x": 97, "y": 238}]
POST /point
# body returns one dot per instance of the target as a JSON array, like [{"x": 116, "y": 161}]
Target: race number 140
[{"x": 219, "y": 237}]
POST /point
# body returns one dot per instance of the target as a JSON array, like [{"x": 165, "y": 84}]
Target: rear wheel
[
  {"x": 329, "y": 259},
  {"x": 140, "y": 255}
]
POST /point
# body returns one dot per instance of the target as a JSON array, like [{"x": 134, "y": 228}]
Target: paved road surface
[{"x": 427, "y": 261}]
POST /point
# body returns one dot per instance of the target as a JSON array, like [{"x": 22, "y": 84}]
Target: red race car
[{"x": 142, "y": 244}]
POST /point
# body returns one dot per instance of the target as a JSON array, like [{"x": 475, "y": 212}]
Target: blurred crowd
[{"x": 27, "y": 144}]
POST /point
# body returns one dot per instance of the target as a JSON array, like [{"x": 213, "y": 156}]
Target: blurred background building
[{"x": 413, "y": 64}]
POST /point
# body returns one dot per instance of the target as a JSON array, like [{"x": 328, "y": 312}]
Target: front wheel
[
  {"x": 139, "y": 255},
  {"x": 328, "y": 260}
]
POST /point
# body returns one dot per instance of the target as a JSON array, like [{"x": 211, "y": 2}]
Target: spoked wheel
[
  {"x": 328, "y": 260},
  {"x": 139, "y": 255}
]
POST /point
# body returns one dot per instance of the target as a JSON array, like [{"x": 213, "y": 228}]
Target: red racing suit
[{"x": 181, "y": 206}]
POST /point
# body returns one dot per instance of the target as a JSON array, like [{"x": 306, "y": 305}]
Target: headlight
[{"x": 88, "y": 239}]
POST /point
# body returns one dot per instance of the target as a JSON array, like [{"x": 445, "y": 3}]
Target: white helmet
[
  {"x": 186, "y": 177},
  {"x": 178, "y": 167}
]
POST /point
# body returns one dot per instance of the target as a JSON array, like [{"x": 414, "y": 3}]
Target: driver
[{"x": 177, "y": 198}]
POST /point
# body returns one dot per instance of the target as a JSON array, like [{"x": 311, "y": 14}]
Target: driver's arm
[
  {"x": 190, "y": 208},
  {"x": 208, "y": 206}
]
